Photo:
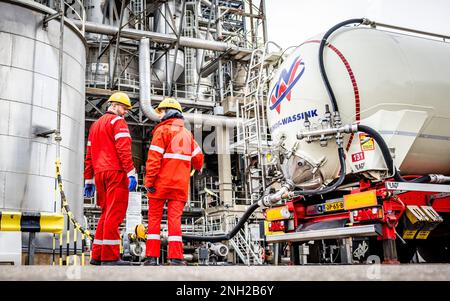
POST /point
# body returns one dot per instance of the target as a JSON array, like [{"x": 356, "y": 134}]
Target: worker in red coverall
[
  {"x": 172, "y": 152},
  {"x": 109, "y": 161}
]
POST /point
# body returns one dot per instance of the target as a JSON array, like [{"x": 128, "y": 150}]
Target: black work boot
[
  {"x": 117, "y": 262},
  {"x": 177, "y": 262},
  {"x": 151, "y": 261},
  {"x": 95, "y": 262}
]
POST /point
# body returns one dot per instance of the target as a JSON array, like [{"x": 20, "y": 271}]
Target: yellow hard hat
[
  {"x": 122, "y": 98},
  {"x": 169, "y": 102}
]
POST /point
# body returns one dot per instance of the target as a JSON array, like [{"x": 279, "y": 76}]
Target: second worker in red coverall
[
  {"x": 172, "y": 152},
  {"x": 108, "y": 157}
]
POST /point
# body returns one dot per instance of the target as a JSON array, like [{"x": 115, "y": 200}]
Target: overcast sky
[{"x": 291, "y": 22}]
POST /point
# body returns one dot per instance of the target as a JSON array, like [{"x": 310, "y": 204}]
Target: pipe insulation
[
  {"x": 146, "y": 97},
  {"x": 163, "y": 38}
]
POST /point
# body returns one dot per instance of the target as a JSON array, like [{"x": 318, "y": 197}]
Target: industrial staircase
[{"x": 249, "y": 252}]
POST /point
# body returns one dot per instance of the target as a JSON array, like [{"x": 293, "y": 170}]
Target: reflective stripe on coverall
[
  {"x": 172, "y": 152},
  {"x": 108, "y": 156}
]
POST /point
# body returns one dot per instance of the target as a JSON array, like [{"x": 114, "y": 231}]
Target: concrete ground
[{"x": 417, "y": 272}]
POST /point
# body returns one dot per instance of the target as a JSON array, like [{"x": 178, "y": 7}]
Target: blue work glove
[
  {"x": 150, "y": 189},
  {"x": 89, "y": 190},
  {"x": 133, "y": 183}
]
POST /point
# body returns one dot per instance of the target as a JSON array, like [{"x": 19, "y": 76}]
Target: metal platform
[{"x": 364, "y": 231}]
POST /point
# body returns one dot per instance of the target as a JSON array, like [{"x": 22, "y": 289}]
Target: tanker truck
[{"x": 360, "y": 124}]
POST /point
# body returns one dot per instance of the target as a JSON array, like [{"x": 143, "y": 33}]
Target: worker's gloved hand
[
  {"x": 89, "y": 190},
  {"x": 150, "y": 189},
  {"x": 133, "y": 183}
]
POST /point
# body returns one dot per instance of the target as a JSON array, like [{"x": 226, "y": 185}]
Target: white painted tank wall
[{"x": 28, "y": 101}]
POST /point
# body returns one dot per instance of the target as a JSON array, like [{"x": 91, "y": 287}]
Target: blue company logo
[
  {"x": 293, "y": 118},
  {"x": 286, "y": 82}
]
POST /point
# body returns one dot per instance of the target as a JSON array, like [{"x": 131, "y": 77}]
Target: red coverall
[
  {"x": 168, "y": 167},
  {"x": 108, "y": 156}
]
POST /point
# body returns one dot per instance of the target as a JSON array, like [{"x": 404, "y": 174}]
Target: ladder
[
  {"x": 138, "y": 10},
  {"x": 189, "y": 55},
  {"x": 253, "y": 135}
]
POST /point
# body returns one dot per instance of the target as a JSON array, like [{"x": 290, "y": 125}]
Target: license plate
[{"x": 335, "y": 206}]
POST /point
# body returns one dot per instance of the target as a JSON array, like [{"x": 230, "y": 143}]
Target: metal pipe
[
  {"x": 431, "y": 34},
  {"x": 212, "y": 120},
  {"x": 206, "y": 2},
  {"x": 31, "y": 247},
  {"x": 224, "y": 32},
  {"x": 60, "y": 81},
  {"x": 269, "y": 200},
  {"x": 177, "y": 45},
  {"x": 99, "y": 50},
  {"x": 146, "y": 99},
  {"x": 218, "y": 21},
  {"x": 117, "y": 51},
  {"x": 439, "y": 179},
  {"x": 199, "y": 70},
  {"x": 348, "y": 128},
  {"x": 264, "y": 20},
  {"x": 252, "y": 29},
  {"x": 145, "y": 80},
  {"x": 161, "y": 38}
]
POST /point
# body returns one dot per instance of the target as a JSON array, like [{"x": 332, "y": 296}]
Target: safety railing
[
  {"x": 79, "y": 11},
  {"x": 128, "y": 82}
]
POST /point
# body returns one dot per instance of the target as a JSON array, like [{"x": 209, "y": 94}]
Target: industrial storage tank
[
  {"x": 396, "y": 83},
  {"x": 29, "y": 64}
]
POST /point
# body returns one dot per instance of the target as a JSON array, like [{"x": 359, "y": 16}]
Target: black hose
[
  {"x": 230, "y": 234},
  {"x": 329, "y": 188},
  {"x": 423, "y": 179},
  {"x": 383, "y": 147},
  {"x": 387, "y": 155},
  {"x": 321, "y": 64}
]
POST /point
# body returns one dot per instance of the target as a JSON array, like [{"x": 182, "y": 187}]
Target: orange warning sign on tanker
[{"x": 367, "y": 142}]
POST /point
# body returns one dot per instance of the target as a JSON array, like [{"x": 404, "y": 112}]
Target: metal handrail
[{"x": 81, "y": 17}]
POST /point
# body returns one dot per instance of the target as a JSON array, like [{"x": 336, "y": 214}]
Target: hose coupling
[
  {"x": 271, "y": 199},
  {"x": 439, "y": 179}
]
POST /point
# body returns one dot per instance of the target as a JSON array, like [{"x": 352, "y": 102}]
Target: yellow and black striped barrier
[
  {"x": 31, "y": 221},
  {"x": 65, "y": 204},
  {"x": 70, "y": 220}
]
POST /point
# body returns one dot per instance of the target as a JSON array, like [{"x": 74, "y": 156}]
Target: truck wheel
[{"x": 435, "y": 250}]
